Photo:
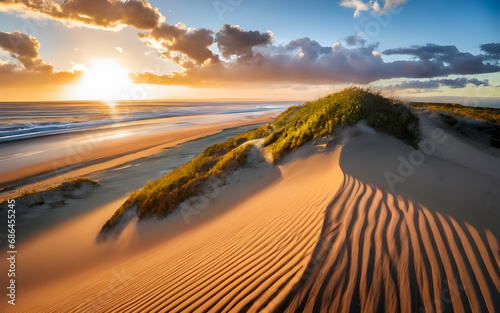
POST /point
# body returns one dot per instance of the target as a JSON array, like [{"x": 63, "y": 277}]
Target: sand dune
[
  {"x": 306, "y": 236},
  {"x": 383, "y": 253},
  {"x": 238, "y": 260}
]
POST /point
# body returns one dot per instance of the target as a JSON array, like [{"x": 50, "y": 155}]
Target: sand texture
[{"x": 320, "y": 232}]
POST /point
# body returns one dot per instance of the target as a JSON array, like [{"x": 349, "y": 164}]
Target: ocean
[{"x": 22, "y": 120}]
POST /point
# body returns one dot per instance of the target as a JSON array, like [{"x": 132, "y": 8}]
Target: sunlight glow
[{"x": 105, "y": 80}]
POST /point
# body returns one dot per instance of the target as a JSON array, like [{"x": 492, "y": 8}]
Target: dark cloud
[
  {"x": 306, "y": 61},
  {"x": 436, "y": 83},
  {"x": 310, "y": 49},
  {"x": 187, "y": 47},
  {"x": 19, "y": 43},
  {"x": 24, "y": 48},
  {"x": 104, "y": 13},
  {"x": 232, "y": 40},
  {"x": 31, "y": 70},
  {"x": 355, "y": 40},
  {"x": 459, "y": 82},
  {"x": 427, "y": 52},
  {"x": 300, "y": 61},
  {"x": 435, "y": 60},
  {"x": 493, "y": 50}
]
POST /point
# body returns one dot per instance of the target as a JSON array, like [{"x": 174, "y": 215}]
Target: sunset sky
[{"x": 276, "y": 50}]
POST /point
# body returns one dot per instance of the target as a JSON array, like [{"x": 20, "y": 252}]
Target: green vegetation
[
  {"x": 315, "y": 119},
  {"x": 77, "y": 182},
  {"x": 65, "y": 185},
  {"x": 160, "y": 197},
  {"x": 294, "y": 127},
  {"x": 478, "y": 113}
]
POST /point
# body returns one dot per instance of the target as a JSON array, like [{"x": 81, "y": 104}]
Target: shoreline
[
  {"x": 112, "y": 148},
  {"x": 116, "y": 183}
]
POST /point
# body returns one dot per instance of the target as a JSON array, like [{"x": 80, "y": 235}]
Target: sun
[{"x": 104, "y": 79}]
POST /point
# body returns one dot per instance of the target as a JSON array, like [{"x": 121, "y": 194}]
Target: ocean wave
[{"x": 18, "y": 131}]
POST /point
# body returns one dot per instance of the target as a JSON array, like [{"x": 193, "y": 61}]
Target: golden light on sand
[{"x": 105, "y": 80}]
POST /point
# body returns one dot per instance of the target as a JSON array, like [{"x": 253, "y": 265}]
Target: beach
[
  {"x": 35, "y": 155},
  {"x": 323, "y": 231},
  {"x": 123, "y": 157}
]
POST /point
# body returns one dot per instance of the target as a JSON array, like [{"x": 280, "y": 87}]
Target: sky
[{"x": 258, "y": 50}]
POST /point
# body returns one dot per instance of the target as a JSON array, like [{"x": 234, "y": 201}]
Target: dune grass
[
  {"x": 73, "y": 182},
  {"x": 23, "y": 192},
  {"x": 160, "y": 197},
  {"x": 294, "y": 127},
  {"x": 76, "y": 182},
  {"x": 478, "y": 113},
  {"x": 315, "y": 119}
]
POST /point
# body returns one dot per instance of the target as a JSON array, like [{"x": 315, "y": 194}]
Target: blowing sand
[{"x": 321, "y": 232}]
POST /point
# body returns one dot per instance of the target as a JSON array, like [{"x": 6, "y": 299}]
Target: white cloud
[
  {"x": 357, "y": 5},
  {"x": 389, "y": 4},
  {"x": 376, "y": 7},
  {"x": 78, "y": 67},
  {"x": 372, "y": 5}
]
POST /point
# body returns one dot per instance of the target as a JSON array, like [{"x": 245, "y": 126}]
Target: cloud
[
  {"x": 24, "y": 48},
  {"x": 355, "y": 40},
  {"x": 300, "y": 61},
  {"x": 305, "y": 61},
  {"x": 232, "y": 40},
  {"x": 373, "y": 6},
  {"x": 102, "y": 13},
  {"x": 389, "y": 4},
  {"x": 186, "y": 47},
  {"x": 309, "y": 49},
  {"x": 357, "y": 5},
  {"x": 435, "y": 60},
  {"x": 19, "y": 44},
  {"x": 31, "y": 69},
  {"x": 493, "y": 50},
  {"x": 425, "y": 52},
  {"x": 436, "y": 83}
]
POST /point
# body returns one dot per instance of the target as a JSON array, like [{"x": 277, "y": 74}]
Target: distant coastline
[{"x": 25, "y": 120}]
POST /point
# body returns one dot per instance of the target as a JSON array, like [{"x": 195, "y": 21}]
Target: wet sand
[{"x": 39, "y": 162}]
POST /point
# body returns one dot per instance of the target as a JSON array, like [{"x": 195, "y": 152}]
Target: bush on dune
[
  {"x": 160, "y": 197},
  {"x": 294, "y": 127},
  {"x": 29, "y": 197},
  {"x": 345, "y": 108},
  {"x": 477, "y": 113}
]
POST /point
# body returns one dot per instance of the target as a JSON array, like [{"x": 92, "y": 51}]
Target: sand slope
[
  {"x": 307, "y": 236},
  {"x": 378, "y": 252}
]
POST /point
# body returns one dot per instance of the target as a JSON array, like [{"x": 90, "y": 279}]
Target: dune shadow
[
  {"x": 215, "y": 201},
  {"x": 380, "y": 252}
]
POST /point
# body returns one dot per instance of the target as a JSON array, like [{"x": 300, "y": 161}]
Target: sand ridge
[{"x": 383, "y": 253}]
